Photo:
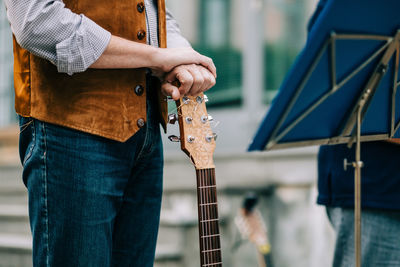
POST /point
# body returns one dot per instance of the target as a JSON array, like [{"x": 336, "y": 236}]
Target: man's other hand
[{"x": 192, "y": 79}]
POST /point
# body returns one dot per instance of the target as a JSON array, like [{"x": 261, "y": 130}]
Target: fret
[
  {"x": 211, "y": 250},
  {"x": 212, "y": 264},
  {"x": 208, "y": 204},
  {"x": 208, "y": 236},
  {"x": 209, "y": 229},
  {"x": 213, "y": 220},
  {"x": 208, "y": 186}
]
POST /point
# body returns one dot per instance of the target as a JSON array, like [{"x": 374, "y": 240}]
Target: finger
[
  {"x": 186, "y": 80},
  {"x": 209, "y": 64},
  {"x": 209, "y": 80},
  {"x": 198, "y": 79},
  {"x": 170, "y": 90}
]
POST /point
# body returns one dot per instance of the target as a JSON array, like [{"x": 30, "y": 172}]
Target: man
[
  {"x": 380, "y": 198},
  {"x": 90, "y": 109}
]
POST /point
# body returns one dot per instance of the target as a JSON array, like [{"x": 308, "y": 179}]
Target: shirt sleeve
[
  {"x": 174, "y": 36},
  {"x": 49, "y": 30}
]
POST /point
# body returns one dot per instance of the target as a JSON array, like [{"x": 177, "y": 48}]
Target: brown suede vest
[{"x": 100, "y": 102}]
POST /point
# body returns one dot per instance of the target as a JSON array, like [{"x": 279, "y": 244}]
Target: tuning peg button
[
  {"x": 215, "y": 136},
  {"x": 172, "y": 118},
  {"x": 174, "y": 138},
  {"x": 209, "y": 138}
]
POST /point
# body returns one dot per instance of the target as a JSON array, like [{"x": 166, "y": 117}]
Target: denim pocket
[{"x": 26, "y": 138}]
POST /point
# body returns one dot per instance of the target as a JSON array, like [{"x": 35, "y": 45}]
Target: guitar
[
  {"x": 252, "y": 227},
  {"x": 198, "y": 142}
]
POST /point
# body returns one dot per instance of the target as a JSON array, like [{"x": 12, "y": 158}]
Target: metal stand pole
[{"x": 357, "y": 193}]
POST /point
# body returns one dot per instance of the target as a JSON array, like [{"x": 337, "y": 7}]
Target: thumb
[{"x": 170, "y": 90}]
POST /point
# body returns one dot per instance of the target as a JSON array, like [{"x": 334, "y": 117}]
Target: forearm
[{"x": 124, "y": 54}]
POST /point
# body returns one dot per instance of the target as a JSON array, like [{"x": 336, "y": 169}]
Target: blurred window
[
  {"x": 218, "y": 32},
  {"x": 214, "y": 31}
]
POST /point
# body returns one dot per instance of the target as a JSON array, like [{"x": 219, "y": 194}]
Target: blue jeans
[
  {"x": 92, "y": 201},
  {"x": 380, "y": 232}
]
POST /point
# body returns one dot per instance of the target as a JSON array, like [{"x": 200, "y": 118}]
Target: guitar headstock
[{"x": 196, "y": 137}]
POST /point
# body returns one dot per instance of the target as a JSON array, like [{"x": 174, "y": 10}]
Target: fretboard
[{"x": 210, "y": 243}]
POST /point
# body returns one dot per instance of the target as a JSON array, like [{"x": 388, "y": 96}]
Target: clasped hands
[
  {"x": 188, "y": 79},
  {"x": 193, "y": 80}
]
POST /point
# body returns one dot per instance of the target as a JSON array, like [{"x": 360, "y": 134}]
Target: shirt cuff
[{"x": 78, "y": 52}]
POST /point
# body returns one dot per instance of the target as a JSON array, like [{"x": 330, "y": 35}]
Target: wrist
[{"x": 156, "y": 59}]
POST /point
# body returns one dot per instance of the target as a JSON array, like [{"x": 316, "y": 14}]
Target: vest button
[
  {"x": 139, "y": 90},
  {"x": 140, "y": 123},
  {"x": 140, "y": 7},
  {"x": 141, "y": 34}
]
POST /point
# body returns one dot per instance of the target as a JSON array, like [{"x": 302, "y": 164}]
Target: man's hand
[
  {"x": 166, "y": 59},
  {"x": 193, "y": 80}
]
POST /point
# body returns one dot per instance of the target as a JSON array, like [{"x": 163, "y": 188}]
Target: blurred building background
[{"x": 253, "y": 43}]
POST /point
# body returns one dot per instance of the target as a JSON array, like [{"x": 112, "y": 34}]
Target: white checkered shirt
[{"x": 71, "y": 41}]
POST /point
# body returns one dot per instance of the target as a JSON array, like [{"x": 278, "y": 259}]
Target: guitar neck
[{"x": 209, "y": 236}]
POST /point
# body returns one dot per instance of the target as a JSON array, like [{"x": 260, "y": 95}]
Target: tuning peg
[
  {"x": 206, "y": 118},
  {"x": 209, "y": 138},
  {"x": 172, "y": 118},
  {"x": 199, "y": 99},
  {"x": 185, "y": 100},
  {"x": 174, "y": 138},
  {"x": 205, "y": 98},
  {"x": 215, "y": 136}
]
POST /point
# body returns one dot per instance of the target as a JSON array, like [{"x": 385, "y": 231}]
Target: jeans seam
[
  {"x": 46, "y": 217},
  {"x": 146, "y": 137},
  {"x": 32, "y": 146}
]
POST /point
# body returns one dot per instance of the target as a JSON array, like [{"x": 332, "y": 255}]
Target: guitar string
[
  {"x": 203, "y": 217},
  {"x": 207, "y": 224},
  {"x": 206, "y": 248},
  {"x": 209, "y": 210},
  {"x": 218, "y": 240},
  {"x": 210, "y": 231},
  {"x": 212, "y": 217},
  {"x": 215, "y": 215},
  {"x": 203, "y": 255}
]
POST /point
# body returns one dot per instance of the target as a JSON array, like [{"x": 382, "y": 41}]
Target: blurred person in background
[
  {"x": 380, "y": 198},
  {"x": 89, "y": 78}
]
